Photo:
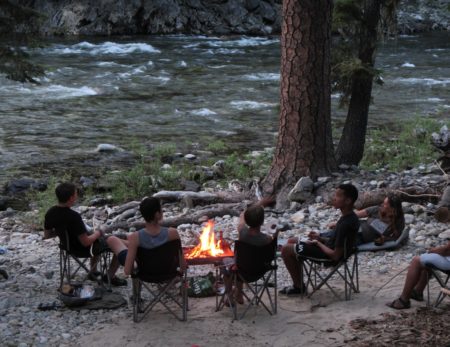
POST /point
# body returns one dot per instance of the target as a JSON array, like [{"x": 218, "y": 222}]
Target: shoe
[
  {"x": 415, "y": 295},
  {"x": 399, "y": 304},
  {"x": 116, "y": 281},
  {"x": 292, "y": 290}
]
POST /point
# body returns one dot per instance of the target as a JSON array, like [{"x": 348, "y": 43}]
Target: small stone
[
  {"x": 190, "y": 156},
  {"x": 65, "y": 336},
  {"x": 445, "y": 234},
  {"x": 298, "y": 217},
  {"x": 409, "y": 219}
]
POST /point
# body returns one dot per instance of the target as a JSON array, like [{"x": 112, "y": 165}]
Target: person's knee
[{"x": 287, "y": 251}]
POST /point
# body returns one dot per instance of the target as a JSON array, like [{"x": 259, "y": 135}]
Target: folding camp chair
[
  {"x": 159, "y": 270},
  {"x": 66, "y": 255},
  {"x": 443, "y": 278},
  {"x": 320, "y": 270},
  {"x": 256, "y": 267}
]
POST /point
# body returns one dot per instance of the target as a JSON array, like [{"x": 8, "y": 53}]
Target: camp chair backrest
[
  {"x": 253, "y": 261},
  {"x": 160, "y": 263}
]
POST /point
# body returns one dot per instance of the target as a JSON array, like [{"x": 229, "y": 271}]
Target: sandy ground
[{"x": 319, "y": 321}]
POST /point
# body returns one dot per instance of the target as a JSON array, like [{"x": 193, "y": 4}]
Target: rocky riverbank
[
  {"x": 32, "y": 263},
  {"x": 249, "y": 17}
]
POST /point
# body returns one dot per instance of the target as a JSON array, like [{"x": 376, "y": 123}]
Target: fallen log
[
  {"x": 191, "y": 217},
  {"x": 409, "y": 194},
  {"x": 199, "y": 198}
]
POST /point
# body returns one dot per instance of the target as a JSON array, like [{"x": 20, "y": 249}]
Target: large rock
[
  {"x": 302, "y": 190},
  {"x": 22, "y": 185},
  {"x": 105, "y": 17}
]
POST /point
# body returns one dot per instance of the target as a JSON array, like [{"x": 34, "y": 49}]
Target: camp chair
[
  {"x": 443, "y": 278},
  {"x": 346, "y": 269},
  {"x": 256, "y": 267},
  {"x": 67, "y": 255},
  {"x": 158, "y": 271}
]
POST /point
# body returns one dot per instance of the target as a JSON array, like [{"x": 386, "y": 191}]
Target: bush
[{"x": 408, "y": 147}]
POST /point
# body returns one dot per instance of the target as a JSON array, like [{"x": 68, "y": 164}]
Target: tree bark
[
  {"x": 304, "y": 146},
  {"x": 351, "y": 145}
]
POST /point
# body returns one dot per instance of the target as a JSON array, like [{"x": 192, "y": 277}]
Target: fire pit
[{"x": 208, "y": 251}]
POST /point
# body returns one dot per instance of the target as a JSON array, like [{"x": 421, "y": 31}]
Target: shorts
[
  {"x": 439, "y": 261},
  {"x": 98, "y": 247},
  {"x": 307, "y": 250},
  {"x": 122, "y": 256}
]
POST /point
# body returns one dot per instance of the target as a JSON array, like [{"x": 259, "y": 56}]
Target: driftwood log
[
  {"x": 409, "y": 194},
  {"x": 191, "y": 217},
  {"x": 191, "y": 199}
]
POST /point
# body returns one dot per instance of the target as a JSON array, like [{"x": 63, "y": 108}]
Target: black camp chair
[
  {"x": 443, "y": 278},
  {"x": 256, "y": 267},
  {"x": 80, "y": 260},
  {"x": 159, "y": 270},
  {"x": 319, "y": 271}
]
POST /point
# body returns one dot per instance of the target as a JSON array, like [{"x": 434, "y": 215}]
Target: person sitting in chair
[
  {"x": 384, "y": 223},
  {"x": 417, "y": 276},
  {"x": 343, "y": 237},
  {"x": 61, "y": 218},
  {"x": 249, "y": 230},
  {"x": 152, "y": 236}
]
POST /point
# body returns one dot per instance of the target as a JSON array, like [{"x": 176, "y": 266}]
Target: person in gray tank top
[{"x": 153, "y": 235}]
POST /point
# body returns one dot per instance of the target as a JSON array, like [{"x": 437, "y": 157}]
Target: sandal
[
  {"x": 415, "y": 295},
  {"x": 399, "y": 304}
]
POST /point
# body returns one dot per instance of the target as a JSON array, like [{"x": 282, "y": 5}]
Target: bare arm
[
  {"x": 441, "y": 250},
  {"x": 49, "y": 234},
  {"x": 334, "y": 254},
  {"x": 361, "y": 213},
  {"x": 133, "y": 241},
  {"x": 87, "y": 240}
]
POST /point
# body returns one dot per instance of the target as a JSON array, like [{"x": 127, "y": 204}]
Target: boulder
[{"x": 302, "y": 190}]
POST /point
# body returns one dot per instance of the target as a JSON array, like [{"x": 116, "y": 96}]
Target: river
[{"x": 185, "y": 89}]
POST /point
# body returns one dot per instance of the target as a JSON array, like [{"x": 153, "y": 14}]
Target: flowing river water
[{"x": 185, "y": 89}]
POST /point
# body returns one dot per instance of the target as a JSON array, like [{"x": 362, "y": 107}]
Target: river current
[{"x": 186, "y": 89}]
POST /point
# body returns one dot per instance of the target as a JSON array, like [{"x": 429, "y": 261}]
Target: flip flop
[{"x": 399, "y": 304}]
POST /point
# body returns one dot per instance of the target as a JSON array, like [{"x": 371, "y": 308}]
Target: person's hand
[
  {"x": 313, "y": 235},
  {"x": 332, "y": 225},
  {"x": 313, "y": 242},
  {"x": 436, "y": 250}
]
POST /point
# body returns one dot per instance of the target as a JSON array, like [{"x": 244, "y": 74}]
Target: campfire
[{"x": 208, "y": 246}]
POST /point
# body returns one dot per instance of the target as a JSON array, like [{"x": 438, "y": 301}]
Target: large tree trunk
[
  {"x": 304, "y": 146},
  {"x": 351, "y": 145}
]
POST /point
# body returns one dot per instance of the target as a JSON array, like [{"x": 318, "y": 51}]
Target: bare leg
[
  {"x": 117, "y": 245},
  {"x": 292, "y": 264},
  {"x": 413, "y": 277},
  {"x": 239, "y": 295},
  {"x": 94, "y": 262},
  {"x": 420, "y": 286}
]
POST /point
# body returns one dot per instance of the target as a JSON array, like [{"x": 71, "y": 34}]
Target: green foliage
[
  {"x": 44, "y": 200},
  {"x": 410, "y": 147},
  {"x": 217, "y": 147},
  {"x": 245, "y": 168},
  {"x": 164, "y": 150}
]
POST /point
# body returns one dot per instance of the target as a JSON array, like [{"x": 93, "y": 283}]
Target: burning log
[
  {"x": 208, "y": 246},
  {"x": 193, "y": 217}
]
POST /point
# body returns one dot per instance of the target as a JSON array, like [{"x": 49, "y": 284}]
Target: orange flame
[{"x": 208, "y": 246}]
